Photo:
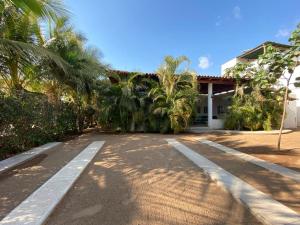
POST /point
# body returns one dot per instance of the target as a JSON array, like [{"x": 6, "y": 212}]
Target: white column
[{"x": 210, "y": 105}]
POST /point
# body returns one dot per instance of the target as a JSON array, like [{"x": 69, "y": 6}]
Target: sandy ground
[
  {"x": 264, "y": 146},
  {"x": 17, "y": 184},
  {"x": 282, "y": 189},
  {"x": 139, "y": 179}
]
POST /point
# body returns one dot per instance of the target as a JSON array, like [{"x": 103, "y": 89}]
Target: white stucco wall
[
  {"x": 293, "y": 110},
  {"x": 232, "y": 63},
  {"x": 291, "y": 115},
  {"x": 228, "y": 64},
  {"x": 296, "y": 91},
  {"x": 217, "y": 124}
]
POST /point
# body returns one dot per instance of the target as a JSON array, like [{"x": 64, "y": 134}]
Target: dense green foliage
[
  {"x": 28, "y": 119},
  {"x": 174, "y": 96},
  {"x": 123, "y": 102},
  {"x": 48, "y": 80},
  {"x": 283, "y": 64},
  {"x": 52, "y": 85},
  {"x": 155, "y": 104},
  {"x": 260, "y": 99},
  {"x": 257, "y": 103}
]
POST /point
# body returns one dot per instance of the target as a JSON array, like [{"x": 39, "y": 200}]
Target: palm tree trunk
[{"x": 15, "y": 80}]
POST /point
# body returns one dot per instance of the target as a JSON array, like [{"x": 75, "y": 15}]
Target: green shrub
[
  {"x": 22, "y": 121},
  {"x": 246, "y": 113},
  {"x": 28, "y": 119},
  {"x": 268, "y": 123}
]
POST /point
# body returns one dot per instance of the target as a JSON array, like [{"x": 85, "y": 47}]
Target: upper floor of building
[{"x": 251, "y": 56}]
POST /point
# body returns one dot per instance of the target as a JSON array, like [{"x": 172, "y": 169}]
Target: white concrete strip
[
  {"x": 38, "y": 206},
  {"x": 265, "y": 208},
  {"x": 25, "y": 156},
  {"x": 260, "y": 162},
  {"x": 208, "y": 130}
]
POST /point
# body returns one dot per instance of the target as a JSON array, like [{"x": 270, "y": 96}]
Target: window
[{"x": 220, "y": 109}]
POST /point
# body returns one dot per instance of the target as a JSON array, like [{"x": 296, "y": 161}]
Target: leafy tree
[
  {"x": 282, "y": 65},
  {"x": 34, "y": 63},
  {"x": 259, "y": 100}
]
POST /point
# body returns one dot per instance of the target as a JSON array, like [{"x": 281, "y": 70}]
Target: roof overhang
[
  {"x": 200, "y": 78},
  {"x": 254, "y": 53},
  {"x": 220, "y": 84}
]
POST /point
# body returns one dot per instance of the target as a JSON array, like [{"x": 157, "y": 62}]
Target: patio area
[{"x": 141, "y": 179}]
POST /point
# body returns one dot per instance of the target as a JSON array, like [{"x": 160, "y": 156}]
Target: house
[
  {"x": 292, "y": 119},
  {"x": 214, "y": 98},
  {"x": 215, "y": 92}
]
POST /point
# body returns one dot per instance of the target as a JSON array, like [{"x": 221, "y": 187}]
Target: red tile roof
[{"x": 199, "y": 76}]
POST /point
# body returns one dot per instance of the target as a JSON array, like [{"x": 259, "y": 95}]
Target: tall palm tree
[
  {"x": 85, "y": 66},
  {"x": 174, "y": 97}
]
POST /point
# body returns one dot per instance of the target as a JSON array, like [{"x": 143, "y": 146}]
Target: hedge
[{"x": 28, "y": 119}]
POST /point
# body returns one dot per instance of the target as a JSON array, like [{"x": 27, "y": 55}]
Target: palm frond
[
  {"x": 46, "y": 9},
  {"x": 27, "y": 51}
]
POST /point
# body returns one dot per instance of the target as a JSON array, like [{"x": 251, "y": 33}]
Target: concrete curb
[
  {"x": 265, "y": 208},
  {"x": 19, "y": 159},
  {"x": 294, "y": 175},
  {"x": 237, "y": 131},
  {"x": 36, "y": 209}
]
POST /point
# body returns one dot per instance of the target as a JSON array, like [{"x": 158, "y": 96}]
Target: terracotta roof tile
[{"x": 199, "y": 76}]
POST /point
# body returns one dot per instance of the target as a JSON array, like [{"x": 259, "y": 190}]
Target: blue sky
[{"x": 135, "y": 35}]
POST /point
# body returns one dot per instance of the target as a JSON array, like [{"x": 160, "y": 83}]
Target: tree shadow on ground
[
  {"x": 19, "y": 182},
  {"x": 285, "y": 190},
  {"x": 140, "y": 179},
  {"x": 264, "y": 147}
]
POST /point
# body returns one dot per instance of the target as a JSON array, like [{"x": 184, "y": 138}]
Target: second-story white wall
[
  {"x": 231, "y": 63},
  {"x": 228, "y": 64},
  {"x": 295, "y": 92}
]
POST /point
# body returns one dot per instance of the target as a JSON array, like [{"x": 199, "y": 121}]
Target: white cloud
[
  {"x": 237, "y": 12},
  {"x": 283, "y": 33},
  {"x": 204, "y": 62},
  {"x": 219, "y": 22}
]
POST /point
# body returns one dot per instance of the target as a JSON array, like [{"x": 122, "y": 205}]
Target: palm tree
[
  {"x": 46, "y": 9},
  {"x": 85, "y": 65},
  {"x": 174, "y": 96},
  {"x": 123, "y": 103},
  {"x": 21, "y": 41}
]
